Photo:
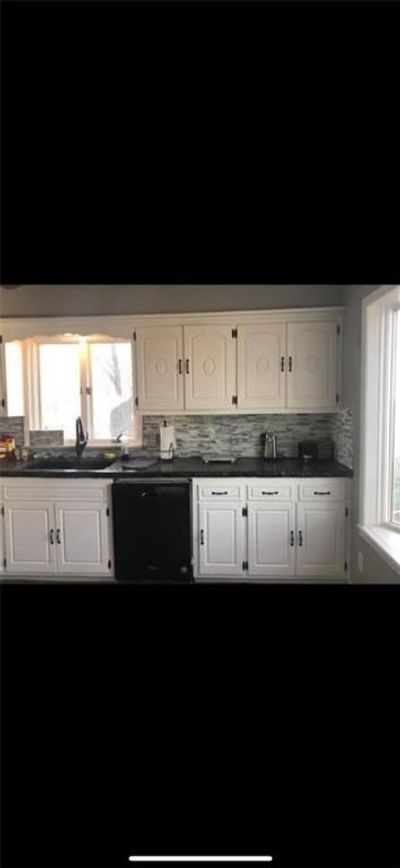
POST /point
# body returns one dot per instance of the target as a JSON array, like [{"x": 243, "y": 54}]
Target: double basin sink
[{"x": 70, "y": 462}]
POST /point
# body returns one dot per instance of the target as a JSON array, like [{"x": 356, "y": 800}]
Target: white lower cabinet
[
  {"x": 30, "y": 537},
  {"x": 221, "y": 539},
  {"x": 81, "y": 538},
  {"x": 320, "y": 549},
  {"x": 272, "y": 532},
  {"x": 271, "y": 537},
  {"x": 53, "y": 528}
]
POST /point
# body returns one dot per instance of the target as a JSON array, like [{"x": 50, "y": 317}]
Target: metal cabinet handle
[
  {"x": 290, "y": 366},
  {"x": 300, "y": 538},
  {"x": 282, "y": 363},
  {"x": 322, "y": 492},
  {"x": 187, "y": 366},
  {"x": 292, "y": 537},
  {"x": 58, "y": 536},
  {"x": 219, "y": 492},
  {"x": 180, "y": 365},
  {"x": 51, "y": 535},
  {"x": 270, "y": 492},
  {"x": 202, "y": 537}
]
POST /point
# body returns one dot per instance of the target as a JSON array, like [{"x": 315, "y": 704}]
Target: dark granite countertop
[{"x": 188, "y": 467}]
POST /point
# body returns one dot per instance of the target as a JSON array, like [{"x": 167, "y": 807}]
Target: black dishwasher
[{"x": 152, "y": 530}]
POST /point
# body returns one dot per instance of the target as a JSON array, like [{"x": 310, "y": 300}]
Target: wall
[
  {"x": 375, "y": 567},
  {"x": 85, "y": 300},
  {"x": 240, "y": 435}
]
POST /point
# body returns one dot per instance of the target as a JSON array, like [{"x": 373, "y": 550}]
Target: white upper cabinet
[
  {"x": 261, "y": 365},
  {"x": 312, "y": 365},
  {"x": 246, "y": 363},
  {"x": 159, "y": 364},
  {"x": 210, "y": 367}
]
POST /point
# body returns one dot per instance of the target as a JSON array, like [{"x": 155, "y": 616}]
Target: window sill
[{"x": 385, "y": 541}]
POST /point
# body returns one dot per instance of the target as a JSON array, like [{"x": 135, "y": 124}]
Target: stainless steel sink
[{"x": 70, "y": 462}]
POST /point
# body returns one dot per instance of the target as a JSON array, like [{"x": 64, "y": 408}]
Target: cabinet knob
[
  {"x": 322, "y": 492},
  {"x": 202, "y": 537},
  {"x": 290, "y": 366},
  {"x": 51, "y": 536},
  {"x": 270, "y": 492},
  {"x": 282, "y": 363},
  {"x": 300, "y": 538},
  {"x": 180, "y": 365},
  {"x": 292, "y": 537},
  {"x": 187, "y": 366},
  {"x": 58, "y": 536}
]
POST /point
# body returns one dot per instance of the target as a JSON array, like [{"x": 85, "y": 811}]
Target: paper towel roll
[{"x": 167, "y": 442}]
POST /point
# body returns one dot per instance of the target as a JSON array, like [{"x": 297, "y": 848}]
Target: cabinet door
[
  {"x": 271, "y": 535},
  {"x": 261, "y": 365},
  {"x": 82, "y": 538},
  {"x": 220, "y": 539},
  {"x": 159, "y": 367},
  {"x": 320, "y": 540},
  {"x": 210, "y": 367},
  {"x": 312, "y": 360},
  {"x": 30, "y": 537}
]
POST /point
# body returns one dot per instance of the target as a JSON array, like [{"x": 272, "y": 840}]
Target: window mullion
[{"x": 84, "y": 387}]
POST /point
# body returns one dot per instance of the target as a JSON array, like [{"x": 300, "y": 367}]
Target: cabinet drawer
[
  {"x": 322, "y": 490},
  {"x": 219, "y": 490},
  {"x": 270, "y": 490}
]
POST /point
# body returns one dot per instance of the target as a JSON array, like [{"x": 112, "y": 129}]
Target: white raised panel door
[
  {"x": 311, "y": 365},
  {"x": 210, "y": 367},
  {"x": 271, "y": 539},
  {"x": 320, "y": 547},
  {"x": 159, "y": 367},
  {"x": 30, "y": 537},
  {"x": 220, "y": 539},
  {"x": 82, "y": 538},
  {"x": 261, "y": 365}
]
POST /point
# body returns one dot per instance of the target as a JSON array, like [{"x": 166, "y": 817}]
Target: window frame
[
  {"x": 31, "y": 383},
  {"x": 380, "y": 316}
]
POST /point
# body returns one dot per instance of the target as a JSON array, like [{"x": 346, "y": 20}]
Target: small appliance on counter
[
  {"x": 316, "y": 450},
  {"x": 167, "y": 441}
]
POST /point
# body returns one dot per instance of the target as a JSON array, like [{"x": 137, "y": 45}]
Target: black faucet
[{"x": 81, "y": 440}]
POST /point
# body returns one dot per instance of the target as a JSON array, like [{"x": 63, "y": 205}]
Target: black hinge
[
  {"x": 345, "y": 566},
  {"x": 245, "y": 565},
  {"x": 234, "y": 399},
  {"x": 338, "y": 330},
  {"x": 3, "y": 402},
  {"x": 108, "y": 511},
  {"x": 1, "y": 339},
  {"x": 346, "y": 511},
  {"x": 2, "y": 510},
  {"x": 337, "y": 397},
  {"x": 234, "y": 333},
  {"x": 109, "y": 565},
  {"x": 4, "y": 562},
  {"x": 136, "y": 402},
  {"x": 134, "y": 336},
  {"x": 244, "y": 511}
]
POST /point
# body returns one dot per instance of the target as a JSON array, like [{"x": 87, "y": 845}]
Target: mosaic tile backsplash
[
  {"x": 13, "y": 426},
  {"x": 241, "y": 435}
]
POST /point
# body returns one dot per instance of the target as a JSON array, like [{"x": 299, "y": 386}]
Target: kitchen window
[
  {"x": 380, "y": 424},
  {"x": 52, "y": 380}
]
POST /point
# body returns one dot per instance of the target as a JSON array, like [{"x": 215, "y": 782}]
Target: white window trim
[
  {"x": 377, "y": 366},
  {"x": 32, "y": 385}
]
